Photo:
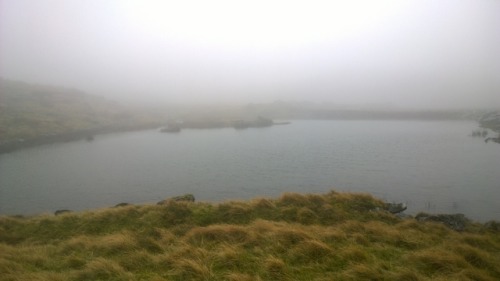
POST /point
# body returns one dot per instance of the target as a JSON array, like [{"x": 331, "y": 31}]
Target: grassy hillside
[
  {"x": 30, "y": 111},
  {"x": 334, "y": 236}
]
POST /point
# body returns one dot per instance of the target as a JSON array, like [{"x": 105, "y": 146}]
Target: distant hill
[
  {"x": 309, "y": 110},
  {"x": 32, "y": 111},
  {"x": 32, "y": 114}
]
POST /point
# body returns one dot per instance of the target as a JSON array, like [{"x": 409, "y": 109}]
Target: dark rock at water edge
[
  {"x": 60, "y": 212},
  {"x": 456, "y": 222},
  {"x": 123, "y": 204},
  {"x": 479, "y": 133},
  {"x": 497, "y": 140},
  {"x": 181, "y": 198}
]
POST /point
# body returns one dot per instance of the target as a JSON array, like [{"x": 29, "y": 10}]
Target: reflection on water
[{"x": 431, "y": 166}]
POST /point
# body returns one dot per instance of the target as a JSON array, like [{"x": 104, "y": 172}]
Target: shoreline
[
  {"x": 20, "y": 143},
  {"x": 87, "y": 134},
  {"x": 396, "y": 209}
]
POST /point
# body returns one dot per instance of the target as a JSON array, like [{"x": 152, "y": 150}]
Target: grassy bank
[{"x": 333, "y": 236}]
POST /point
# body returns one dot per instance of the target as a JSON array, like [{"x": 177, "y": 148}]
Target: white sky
[{"x": 415, "y": 53}]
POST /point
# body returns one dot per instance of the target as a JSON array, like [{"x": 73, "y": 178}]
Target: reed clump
[{"x": 333, "y": 236}]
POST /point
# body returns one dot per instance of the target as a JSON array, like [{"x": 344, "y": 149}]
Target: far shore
[{"x": 88, "y": 135}]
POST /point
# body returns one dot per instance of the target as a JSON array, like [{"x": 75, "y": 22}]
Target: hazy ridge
[
  {"x": 43, "y": 113},
  {"x": 32, "y": 114}
]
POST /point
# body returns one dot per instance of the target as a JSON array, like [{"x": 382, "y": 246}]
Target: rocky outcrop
[
  {"x": 182, "y": 198},
  {"x": 259, "y": 122},
  {"x": 497, "y": 140},
  {"x": 456, "y": 222},
  {"x": 479, "y": 133},
  {"x": 491, "y": 120},
  {"x": 395, "y": 208},
  {"x": 61, "y": 212}
]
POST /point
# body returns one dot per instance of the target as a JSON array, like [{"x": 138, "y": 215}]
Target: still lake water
[{"x": 432, "y": 166}]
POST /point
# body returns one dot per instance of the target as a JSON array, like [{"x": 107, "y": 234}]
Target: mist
[{"x": 405, "y": 54}]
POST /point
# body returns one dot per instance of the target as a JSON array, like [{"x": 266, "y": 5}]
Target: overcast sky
[{"x": 421, "y": 53}]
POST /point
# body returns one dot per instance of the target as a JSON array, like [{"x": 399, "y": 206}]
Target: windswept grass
[{"x": 333, "y": 236}]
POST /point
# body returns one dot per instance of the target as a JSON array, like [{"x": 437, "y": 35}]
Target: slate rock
[{"x": 456, "y": 222}]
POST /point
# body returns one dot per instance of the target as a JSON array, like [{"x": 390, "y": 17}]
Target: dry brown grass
[
  {"x": 189, "y": 269},
  {"x": 263, "y": 203},
  {"x": 437, "y": 261},
  {"x": 275, "y": 268},
  {"x": 102, "y": 269},
  {"x": 219, "y": 234},
  {"x": 310, "y": 251},
  {"x": 235, "y": 276}
]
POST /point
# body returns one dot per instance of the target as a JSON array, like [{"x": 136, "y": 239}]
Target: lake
[{"x": 433, "y": 166}]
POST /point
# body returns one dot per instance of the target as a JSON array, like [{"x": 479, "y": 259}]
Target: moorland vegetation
[{"x": 332, "y": 236}]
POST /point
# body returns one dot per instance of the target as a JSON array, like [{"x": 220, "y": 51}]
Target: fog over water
[{"x": 409, "y": 54}]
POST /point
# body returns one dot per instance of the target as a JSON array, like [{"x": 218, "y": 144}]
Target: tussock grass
[
  {"x": 229, "y": 257},
  {"x": 289, "y": 236},
  {"x": 310, "y": 251},
  {"x": 362, "y": 272},
  {"x": 353, "y": 254},
  {"x": 275, "y": 268},
  {"x": 235, "y": 276},
  {"x": 102, "y": 269},
  {"x": 219, "y": 234},
  {"x": 189, "y": 269},
  {"x": 437, "y": 261},
  {"x": 333, "y": 236}
]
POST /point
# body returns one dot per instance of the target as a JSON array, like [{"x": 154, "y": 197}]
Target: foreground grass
[{"x": 334, "y": 236}]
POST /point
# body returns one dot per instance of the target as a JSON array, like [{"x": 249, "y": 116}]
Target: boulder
[
  {"x": 456, "y": 222},
  {"x": 182, "y": 198},
  {"x": 395, "y": 208},
  {"x": 123, "y": 204}
]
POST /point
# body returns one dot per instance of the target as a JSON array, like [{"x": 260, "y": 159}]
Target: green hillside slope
[{"x": 29, "y": 111}]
